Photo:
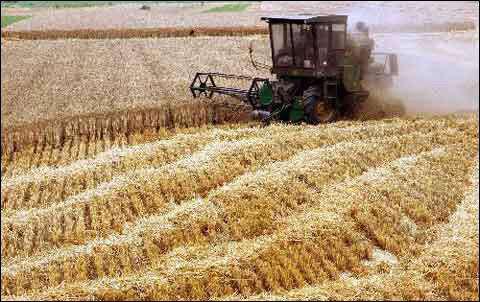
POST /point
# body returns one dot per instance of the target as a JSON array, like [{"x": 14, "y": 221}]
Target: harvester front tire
[{"x": 318, "y": 111}]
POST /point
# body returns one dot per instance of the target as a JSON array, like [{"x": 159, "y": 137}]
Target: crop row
[
  {"x": 311, "y": 246},
  {"x": 147, "y": 191},
  {"x": 131, "y": 195},
  {"x": 128, "y": 33},
  {"x": 134, "y": 194},
  {"x": 446, "y": 269},
  {"x": 47, "y": 185},
  {"x": 246, "y": 213}
]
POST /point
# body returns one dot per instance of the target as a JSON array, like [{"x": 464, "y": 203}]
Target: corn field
[{"x": 124, "y": 207}]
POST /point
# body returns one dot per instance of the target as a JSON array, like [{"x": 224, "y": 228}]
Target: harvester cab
[
  {"x": 319, "y": 71},
  {"x": 307, "y": 47}
]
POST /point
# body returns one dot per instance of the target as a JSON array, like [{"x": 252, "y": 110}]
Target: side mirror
[{"x": 392, "y": 59}]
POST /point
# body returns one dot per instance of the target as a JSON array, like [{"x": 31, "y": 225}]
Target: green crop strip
[
  {"x": 227, "y": 8},
  {"x": 7, "y": 20}
]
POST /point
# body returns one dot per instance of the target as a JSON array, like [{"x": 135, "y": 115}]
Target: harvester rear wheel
[{"x": 319, "y": 111}]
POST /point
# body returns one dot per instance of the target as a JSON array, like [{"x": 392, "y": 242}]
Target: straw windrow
[
  {"x": 243, "y": 210},
  {"x": 313, "y": 246}
]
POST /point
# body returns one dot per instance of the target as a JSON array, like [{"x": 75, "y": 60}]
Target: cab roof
[{"x": 305, "y": 18}]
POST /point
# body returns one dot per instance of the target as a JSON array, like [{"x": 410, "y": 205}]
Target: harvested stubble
[
  {"x": 447, "y": 269},
  {"x": 38, "y": 188},
  {"x": 47, "y": 185},
  {"x": 451, "y": 261},
  {"x": 381, "y": 287},
  {"x": 112, "y": 268},
  {"x": 63, "y": 78},
  {"x": 311, "y": 246},
  {"x": 229, "y": 213},
  {"x": 281, "y": 213},
  {"x": 142, "y": 192},
  {"x": 129, "y": 33},
  {"x": 288, "y": 260}
]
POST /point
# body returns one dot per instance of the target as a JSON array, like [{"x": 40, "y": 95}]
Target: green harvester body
[{"x": 318, "y": 71}]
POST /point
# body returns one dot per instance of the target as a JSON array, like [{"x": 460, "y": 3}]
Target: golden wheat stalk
[
  {"x": 428, "y": 277},
  {"x": 321, "y": 232},
  {"x": 70, "y": 178},
  {"x": 46, "y": 180},
  {"x": 138, "y": 191},
  {"x": 345, "y": 157},
  {"x": 245, "y": 227},
  {"x": 98, "y": 126}
]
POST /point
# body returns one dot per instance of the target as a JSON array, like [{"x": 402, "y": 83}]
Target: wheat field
[
  {"x": 117, "y": 185},
  {"x": 383, "y": 209}
]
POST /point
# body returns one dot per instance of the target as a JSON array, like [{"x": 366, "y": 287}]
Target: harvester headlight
[{"x": 324, "y": 63}]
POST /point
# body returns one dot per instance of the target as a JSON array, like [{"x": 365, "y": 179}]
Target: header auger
[{"x": 319, "y": 71}]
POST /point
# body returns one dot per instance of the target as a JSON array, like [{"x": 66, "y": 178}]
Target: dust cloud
[{"x": 438, "y": 72}]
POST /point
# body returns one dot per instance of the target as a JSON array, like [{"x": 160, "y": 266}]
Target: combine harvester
[{"x": 319, "y": 70}]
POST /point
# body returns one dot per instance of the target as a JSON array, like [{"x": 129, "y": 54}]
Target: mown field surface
[
  {"x": 383, "y": 209},
  {"x": 70, "y": 77},
  {"x": 62, "y": 78}
]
